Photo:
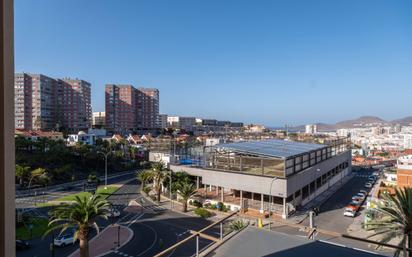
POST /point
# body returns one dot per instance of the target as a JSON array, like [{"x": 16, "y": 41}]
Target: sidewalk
[
  {"x": 106, "y": 241},
  {"x": 301, "y": 215}
]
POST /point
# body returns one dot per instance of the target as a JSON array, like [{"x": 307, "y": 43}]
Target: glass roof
[{"x": 272, "y": 147}]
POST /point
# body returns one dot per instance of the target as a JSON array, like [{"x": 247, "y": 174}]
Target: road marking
[
  {"x": 154, "y": 241},
  {"x": 134, "y": 221}
]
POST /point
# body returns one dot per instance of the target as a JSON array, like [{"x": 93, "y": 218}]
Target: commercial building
[
  {"x": 404, "y": 172},
  {"x": 311, "y": 129},
  {"x": 44, "y": 103},
  {"x": 99, "y": 119},
  {"x": 129, "y": 109},
  {"x": 247, "y": 173}
]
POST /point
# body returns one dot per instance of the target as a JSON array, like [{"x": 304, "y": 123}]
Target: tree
[
  {"x": 396, "y": 219},
  {"x": 158, "y": 174},
  {"x": 35, "y": 174},
  {"x": 186, "y": 191},
  {"x": 22, "y": 173},
  {"x": 81, "y": 215},
  {"x": 144, "y": 177}
]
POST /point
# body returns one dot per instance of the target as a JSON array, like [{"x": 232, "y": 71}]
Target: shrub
[
  {"x": 220, "y": 206},
  {"x": 196, "y": 203},
  {"x": 207, "y": 205},
  {"x": 237, "y": 225},
  {"x": 213, "y": 206},
  {"x": 202, "y": 212}
]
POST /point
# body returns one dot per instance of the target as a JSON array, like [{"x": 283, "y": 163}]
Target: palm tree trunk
[
  {"x": 83, "y": 242},
  {"x": 409, "y": 244},
  {"x": 158, "y": 193},
  {"x": 84, "y": 248},
  {"x": 184, "y": 205}
]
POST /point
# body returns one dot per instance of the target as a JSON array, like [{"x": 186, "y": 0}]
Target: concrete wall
[
  {"x": 251, "y": 183},
  {"x": 301, "y": 179}
]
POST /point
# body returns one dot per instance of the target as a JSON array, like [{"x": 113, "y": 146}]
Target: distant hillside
[
  {"x": 364, "y": 121},
  {"x": 404, "y": 121}
]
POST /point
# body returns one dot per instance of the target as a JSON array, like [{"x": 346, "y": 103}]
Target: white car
[
  {"x": 368, "y": 185},
  {"x": 349, "y": 213},
  {"x": 113, "y": 213},
  {"x": 64, "y": 240}
]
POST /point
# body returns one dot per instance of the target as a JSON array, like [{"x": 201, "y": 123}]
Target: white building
[
  {"x": 311, "y": 129},
  {"x": 99, "y": 119},
  {"x": 81, "y": 137},
  {"x": 407, "y": 141},
  {"x": 179, "y": 122}
]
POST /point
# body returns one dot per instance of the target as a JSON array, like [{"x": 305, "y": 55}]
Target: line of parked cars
[{"x": 357, "y": 200}]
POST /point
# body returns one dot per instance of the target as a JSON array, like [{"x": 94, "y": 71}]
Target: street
[
  {"x": 155, "y": 229},
  {"x": 331, "y": 212}
]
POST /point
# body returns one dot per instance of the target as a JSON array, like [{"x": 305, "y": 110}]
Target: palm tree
[
  {"x": 396, "y": 219},
  {"x": 186, "y": 191},
  {"x": 144, "y": 177},
  {"x": 81, "y": 215},
  {"x": 158, "y": 174},
  {"x": 22, "y": 173}
]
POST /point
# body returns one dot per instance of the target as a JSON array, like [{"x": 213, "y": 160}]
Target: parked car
[
  {"x": 352, "y": 207},
  {"x": 65, "y": 239},
  {"x": 22, "y": 245},
  {"x": 368, "y": 185},
  {"x": 113, "y": 213},
  {"x": 364, "y": 192},
  {"x": 356, "y": 198},
  {"x": 349, "y": 213},
  {"x": 362, "y": 195}
]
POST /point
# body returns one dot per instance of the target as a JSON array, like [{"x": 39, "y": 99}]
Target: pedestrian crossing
[{"x": 154, "y": 208}]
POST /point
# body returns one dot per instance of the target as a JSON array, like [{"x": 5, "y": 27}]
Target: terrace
[{"x": 270, "y": 158}]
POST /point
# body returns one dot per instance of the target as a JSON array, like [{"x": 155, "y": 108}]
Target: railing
[{"x": 200, "y": 234}]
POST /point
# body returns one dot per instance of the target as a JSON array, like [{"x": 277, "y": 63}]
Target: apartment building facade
[
  {"x": 44, "y": 103},
  {"x": 148, "y": 103},
  {"x": 130, "y": 110},
  {"x": 35, "y": 101},
  {"x": 74, "y": 111}
]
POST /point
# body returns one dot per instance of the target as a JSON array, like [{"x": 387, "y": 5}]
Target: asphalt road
[
  {"x": 331, "y": 212},
  {"x": 49, "y": 195},
  {"x": 158, "y": 228},
  {"x": 41, "y": 248},
  {"x": 154, "y": 230}
]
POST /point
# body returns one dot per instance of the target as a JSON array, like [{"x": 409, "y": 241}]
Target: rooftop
[
  {"x": 272, "y": 147},
  {"x": 260, "y": 242}
]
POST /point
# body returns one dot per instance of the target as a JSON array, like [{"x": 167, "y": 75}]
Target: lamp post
[
  {"x": 270, "y": 198},
  {"x": 316, "y": 182},
  {"x": 105, "y": 166}
]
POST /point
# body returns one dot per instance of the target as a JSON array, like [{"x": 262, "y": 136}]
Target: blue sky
[{"x": 267, "y": 61}]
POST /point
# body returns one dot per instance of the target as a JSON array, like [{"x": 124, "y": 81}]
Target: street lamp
[
  {"x": 316, "y": 182},
  {"x": 105, "y": 166},
  {"x": 270, "y": 198}
]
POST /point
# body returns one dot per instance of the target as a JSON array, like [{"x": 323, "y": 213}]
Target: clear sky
[{"x": 271, "y": 62}]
